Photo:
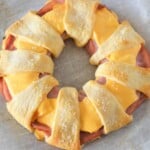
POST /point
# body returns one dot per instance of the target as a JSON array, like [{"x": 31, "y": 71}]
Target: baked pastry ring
[{"x": 65, "y": 117}]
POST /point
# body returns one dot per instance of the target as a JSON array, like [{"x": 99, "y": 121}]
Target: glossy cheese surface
[
  {"x": 19, "y": 81},
  {"x": 55, "y": 17},
  {"x": 125, "y": 95},
  {"x": 89, "y": 120},
  {"x": 106, "y": 23},
  {"x": 126, "y": 56}
]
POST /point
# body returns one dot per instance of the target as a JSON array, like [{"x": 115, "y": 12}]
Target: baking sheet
[{"x": 73, "y": 69}]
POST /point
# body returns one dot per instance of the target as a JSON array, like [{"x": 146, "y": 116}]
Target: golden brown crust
[
  {"x": 24, "y": 61},
  {"x": 66, "y": 126},
  {"x": 86, "y": 137},
  {"x": 80, "y": 25}
]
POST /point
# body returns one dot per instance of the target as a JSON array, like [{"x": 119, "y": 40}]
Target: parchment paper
[{"x": 73, "y": 69}]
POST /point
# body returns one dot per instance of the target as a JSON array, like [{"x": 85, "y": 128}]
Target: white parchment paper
[{"x": 73, "y": 69}]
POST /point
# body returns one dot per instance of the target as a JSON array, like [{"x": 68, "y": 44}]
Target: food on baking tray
[{"x": 65, "y": 117}]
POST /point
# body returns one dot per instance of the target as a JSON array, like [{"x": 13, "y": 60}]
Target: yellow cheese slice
[
  {"x": 36, "y": 30},
  {"x": 39, "y": 134},
  {"x": 55, "y": 17},
  {"x": 105, "y": 24},
  {"x": 45, "y": 115},
  {"x": 110, "y": 111},
  {"x": 102, "y": 31},
  {"x": 46, "y": 111},
  {"x": 123, "y": 38},
  {"x": 23, "y": 45},
  {"x": 89, "y": 119},
  {"x": 126, "y": 56},
  {"x": 24, "y": 104},
  {"x": 19, "y": 81},
  {"x": 125, "y": 95}
]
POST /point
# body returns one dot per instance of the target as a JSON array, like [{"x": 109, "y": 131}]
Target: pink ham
[
  {"x": 143, "y": 58},
  {"x": 48, "y": 7},
  {"x": 101, "y": 80},
  {"x": 5, "y": 91},
  {"x": 9, "y": 44},
  {"x": 81, "y": 96},
  {"x": 1, "y": 86},
  {"x": 54, "y": 92},
  {"x": 137, "y": 103},
  {"x": 91, "y": 47},
  {"x": 86, "y": 137},
  {"x": 41, "y": 127}
]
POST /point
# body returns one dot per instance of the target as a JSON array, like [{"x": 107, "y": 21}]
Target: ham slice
[
  {"x": 100, "y": 6},
  {"x": 54, "y": 92},
  {"x": 41, "y": 75},
  {"x": 101, "y": 80},
  {"x": 143, "y": 58},
  {"x": 137, "y": 103},
  {"x": 91, "y": 47},
  {"x": 1, "y": 86},
  {"x": 48, "y": 7},
  {"x": 9, "y": 44},
  {"x": 81, "y": 96},
  {"x": 5, "y": 91},
  {"x": 41, "y": 127},
  {"x": 86, "y": 137}
]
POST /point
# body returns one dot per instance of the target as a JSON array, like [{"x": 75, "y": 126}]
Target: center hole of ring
[{"x": 72, "y": 67}]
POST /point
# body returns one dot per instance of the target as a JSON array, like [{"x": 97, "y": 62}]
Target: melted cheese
[
  {"x": 106, "y": 23},
  {"x": 55, "y": 17},
  {"x": 22, "y": 45},
  {"x": 19, "y": 81},
  {"x": 126, "y": 56},
  {"x": 45, "y": 115},
  {"x": 39, "y": 134},
  {"x": 46, "y": 111},
  {"x": 125, "y": 95},
  {"x": 89, "y": 119},
  {"x": 102, "y": 31}
]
